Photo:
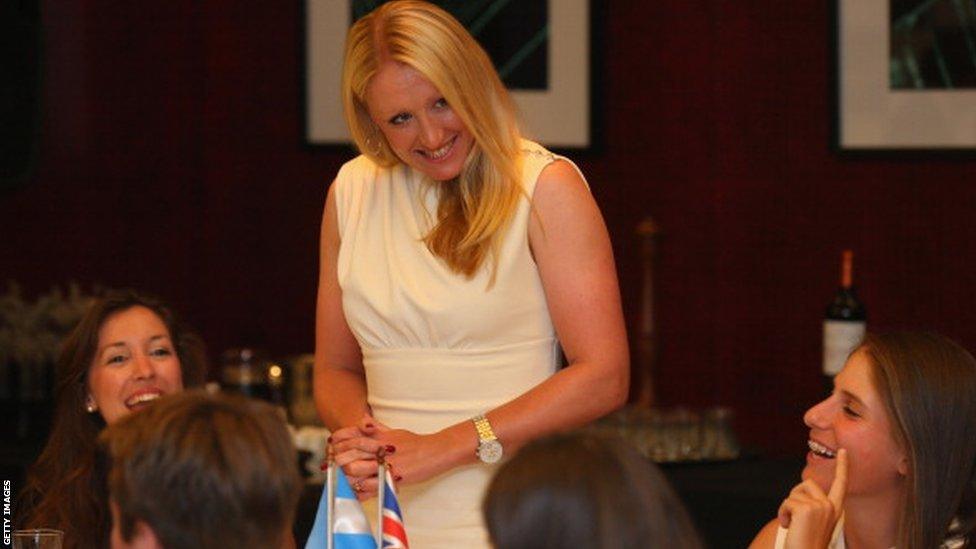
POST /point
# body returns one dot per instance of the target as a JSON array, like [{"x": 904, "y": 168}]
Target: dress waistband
[{"x": 425, "y": 390}]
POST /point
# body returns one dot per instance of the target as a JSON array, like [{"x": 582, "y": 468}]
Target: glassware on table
[
  {"x": 686, "y": 432},
  {"x": 673, "y": 435},
  {"x": 245, "y": 371},
  {"x": 660, "y": 445},
  {"x": 302, "y": 399},
  {"x": 38, "y": 538},
  {"x": 718, "y": 437}
]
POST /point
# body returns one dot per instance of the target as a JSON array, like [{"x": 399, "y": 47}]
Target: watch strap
[{"x": 483, "y": 427}]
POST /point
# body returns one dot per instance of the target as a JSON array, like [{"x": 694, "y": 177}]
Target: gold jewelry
[
  {"x": 358, "y": 486},
  {"x": 373, "y": 146},
  {"x": 489, "y": 448}
]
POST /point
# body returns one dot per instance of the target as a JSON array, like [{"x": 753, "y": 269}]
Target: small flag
[
  {"x": 394, "y": 535},
  {"x": 349, "y": 525}
]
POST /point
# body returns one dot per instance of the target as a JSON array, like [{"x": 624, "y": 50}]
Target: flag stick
[
  {"x": 330, "y": 495},
  {"x": 380, "y": 494}
]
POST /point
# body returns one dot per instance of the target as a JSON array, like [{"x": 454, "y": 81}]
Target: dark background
[{"x": 171, "y": 158}]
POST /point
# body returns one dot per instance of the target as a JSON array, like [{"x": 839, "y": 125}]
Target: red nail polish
[
  {"x": 398, "y": 478},
  {"x": 324, "y": 466},
  {"x": 369, "y": 425},
  {"x": 390, "y": 449},
  {"x": 329, "y": 440}
]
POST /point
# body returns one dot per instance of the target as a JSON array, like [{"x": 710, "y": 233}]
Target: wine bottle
[{"x": 844, "y": 324}]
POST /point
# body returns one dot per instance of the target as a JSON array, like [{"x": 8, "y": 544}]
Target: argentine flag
[{"x": 352, "y": 530}]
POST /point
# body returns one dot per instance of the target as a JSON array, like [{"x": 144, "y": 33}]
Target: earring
[
  {"x": 90, "y": 405},
  {"x": 373, "y": 146}
]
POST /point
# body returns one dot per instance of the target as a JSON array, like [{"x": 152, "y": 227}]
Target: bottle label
[{"x": 840, "y": 337}]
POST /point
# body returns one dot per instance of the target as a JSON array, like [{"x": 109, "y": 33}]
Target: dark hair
[
  {"x": 928, "y": 385},
  {"x": 63, "y": 488},
  {"x": 577, "y": 490},
  {"x": 194, "y": 461}
]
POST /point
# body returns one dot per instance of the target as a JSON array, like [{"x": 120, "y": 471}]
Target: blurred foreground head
[
  {"x": 204, "y": 471},
  {"x": 577, "y": 490}
]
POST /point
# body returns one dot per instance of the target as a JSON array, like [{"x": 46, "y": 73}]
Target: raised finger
[{"x": 839, "y": 487}]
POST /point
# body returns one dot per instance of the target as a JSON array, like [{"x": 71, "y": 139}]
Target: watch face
[{"x": 490, "y": 451}]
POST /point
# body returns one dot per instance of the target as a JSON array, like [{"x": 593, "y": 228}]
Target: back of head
[
  {"x": 203, "y": 471},
  {"x": 578, "y": 490},
  {"x": 928, "y": 384}
]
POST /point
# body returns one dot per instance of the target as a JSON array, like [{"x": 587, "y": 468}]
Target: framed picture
[
  {"x": 906, "y": 75},
  {"x": 555, "y": 110}
]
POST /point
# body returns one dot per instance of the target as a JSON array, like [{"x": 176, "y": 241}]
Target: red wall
[{"x": 173, "y": 160}]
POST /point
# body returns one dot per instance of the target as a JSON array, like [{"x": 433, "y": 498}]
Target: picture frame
[
  {"x": 873, "y": 117},
  {"x": 559, "y": 117}
]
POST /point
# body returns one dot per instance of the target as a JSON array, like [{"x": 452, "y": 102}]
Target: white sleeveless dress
[{"x": 438, "y": 348}]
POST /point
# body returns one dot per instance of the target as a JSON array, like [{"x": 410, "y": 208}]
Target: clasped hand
[{"x": 409, "y": 456}]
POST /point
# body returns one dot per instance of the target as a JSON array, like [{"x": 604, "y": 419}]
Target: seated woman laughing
[{"x": 892, "y": 453}]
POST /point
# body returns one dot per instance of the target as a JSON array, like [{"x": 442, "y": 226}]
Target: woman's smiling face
[
  {"x": 422, "y": 129},
  {"x": 134, "y": 364},
  {"x": 854, "y": 417}
]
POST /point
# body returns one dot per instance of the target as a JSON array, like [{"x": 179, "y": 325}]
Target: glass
[
  {"x": 686, "y": 432},
  {"x": 38, "y": 538},
  {"x": 245, "y": 371},
  {"x": 301, "y": 397},
  {"x": 718, "y": 437},
  {"x": 673, "y": 435}
]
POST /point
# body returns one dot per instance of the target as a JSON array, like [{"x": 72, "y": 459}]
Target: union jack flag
[{"x": 394, "y": 534}]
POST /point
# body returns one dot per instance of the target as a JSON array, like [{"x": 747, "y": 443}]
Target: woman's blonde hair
[{"x": 474, "y": 209}]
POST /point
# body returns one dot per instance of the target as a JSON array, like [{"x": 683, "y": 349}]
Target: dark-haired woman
[{"x": 127, "y": 351}]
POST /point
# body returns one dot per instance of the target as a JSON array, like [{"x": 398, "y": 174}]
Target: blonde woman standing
[{"x": 457, "y": 258}]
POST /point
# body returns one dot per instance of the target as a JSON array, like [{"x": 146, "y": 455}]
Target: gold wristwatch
[{"x": 489, "y": 448}]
